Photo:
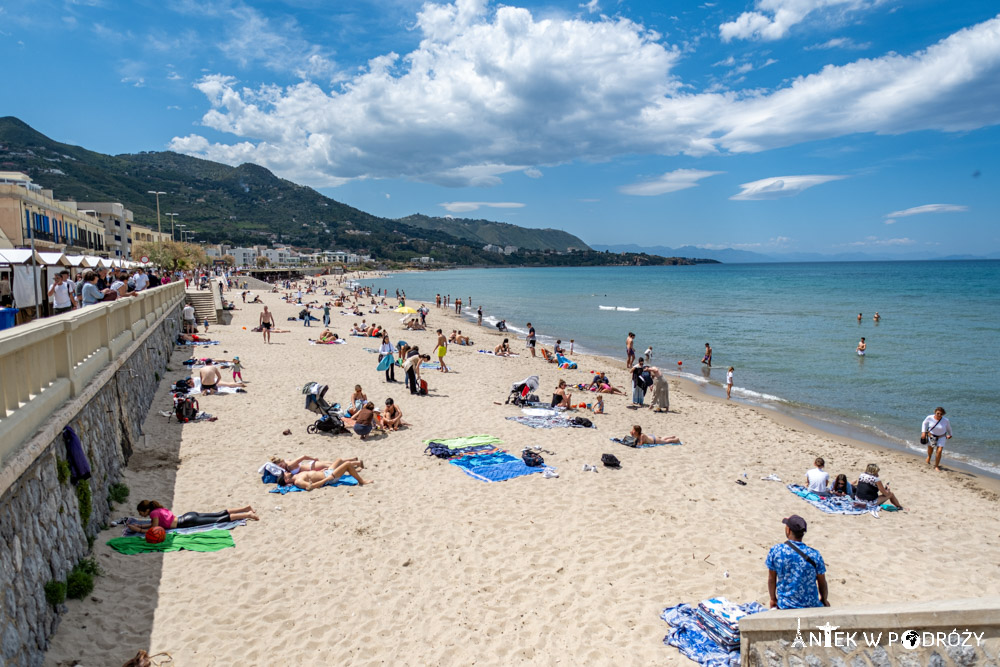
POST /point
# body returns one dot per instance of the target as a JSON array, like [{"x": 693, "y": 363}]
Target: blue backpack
[{"x": 438, "y": 450}]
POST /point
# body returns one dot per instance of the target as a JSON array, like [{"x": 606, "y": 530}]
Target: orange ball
[
  {"x": 156, "y": 534},
  {"x": 680, "y": 363}
]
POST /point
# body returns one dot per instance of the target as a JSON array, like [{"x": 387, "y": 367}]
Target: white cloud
[
  {"x": 926, "y": 208},
  {"x": 840, "y": 43},
  {"x": 492, "y": 91},
  {"x": 532, "y": 172},
  {"x": 672, "y": 181},
  {"x": 466, "y": 206},
  {"x": 875, "y": 241},
  {"x": 777, "y": 187},
  {"x": 775, "y": 18},
  {"x": 592, "y": 6}
]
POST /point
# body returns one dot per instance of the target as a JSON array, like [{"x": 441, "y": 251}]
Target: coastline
[
  {"x": 432, "y": 566},
  {"x": 987, "y": 480},
  {"x": 852, "y": 432}
]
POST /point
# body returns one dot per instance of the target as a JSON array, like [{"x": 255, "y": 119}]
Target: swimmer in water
[
  {"x": 862, "y": 346},
  {"x": 877, "y": 317},
  {"x": 859, "y": 318}
]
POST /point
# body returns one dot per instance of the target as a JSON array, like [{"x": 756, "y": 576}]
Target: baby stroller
[
  {"x": 521, "y": 392},
  {"x": 329, "y": 421}
]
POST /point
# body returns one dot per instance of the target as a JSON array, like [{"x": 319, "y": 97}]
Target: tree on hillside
[{"x": 262, "y": 262}]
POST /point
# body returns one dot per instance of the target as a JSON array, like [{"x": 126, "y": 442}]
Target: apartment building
[
  {"x": 28, "y": 211},
  {"x": 117, "y": 223}
]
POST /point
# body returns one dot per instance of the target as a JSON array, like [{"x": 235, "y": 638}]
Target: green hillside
[
  {"x": 498, "y": 233},
  {"x": 248, "y": 205}
]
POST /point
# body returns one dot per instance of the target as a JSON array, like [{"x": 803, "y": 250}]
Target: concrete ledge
[
  {"x": 961, "y": 613},
  {"x": 21, "y": 458},
  {"x": 30, "y": 416}
]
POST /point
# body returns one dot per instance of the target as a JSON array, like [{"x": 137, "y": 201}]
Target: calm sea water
[{"x": 790, "y": 330}]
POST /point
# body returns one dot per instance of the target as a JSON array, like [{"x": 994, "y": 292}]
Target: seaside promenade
[{"x": 430, "y": 566}]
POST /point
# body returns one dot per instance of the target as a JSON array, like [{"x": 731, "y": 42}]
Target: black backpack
[
  {"x": 186, "y": 409},
  {"x": 582, "y": 422},
  {"x": 438, "y": 450},
  {"x": 532, "y": 459},
  {"x": 610, "y": 461}
]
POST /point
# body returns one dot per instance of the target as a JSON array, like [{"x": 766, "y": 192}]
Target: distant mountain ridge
[
  {"x": 248, "y": 204},
  {"x": 734, "y": 256}
]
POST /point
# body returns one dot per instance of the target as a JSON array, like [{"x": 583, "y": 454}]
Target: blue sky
[{"x": 772, "y": 125}]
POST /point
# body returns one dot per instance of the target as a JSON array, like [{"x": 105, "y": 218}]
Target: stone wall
[
  {"x": 41, "y": 533},
  {"x": 952, "y": 633}
]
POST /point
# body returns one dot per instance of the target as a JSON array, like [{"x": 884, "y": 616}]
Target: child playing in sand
[
  {"x": 599, "y": 405},
  {"x": 237, "y": 369}
]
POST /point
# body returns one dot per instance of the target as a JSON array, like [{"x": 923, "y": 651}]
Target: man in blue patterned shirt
[{"x": 796, "y": 575}]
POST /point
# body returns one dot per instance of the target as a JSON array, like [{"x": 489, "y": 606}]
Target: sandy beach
[{"x": 430, "y": 566}]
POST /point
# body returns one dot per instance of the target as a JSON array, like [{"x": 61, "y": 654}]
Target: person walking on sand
[
  {"x": 934, "y": 428},
  {"x": 707, "y": 359},
  {"x": 266, "y": 324},
  {"x": 629, "y": 350},
  {"x": 729, "y": 382},
  {"x": 530, "y": 340},
  {"x": 442, "y": 349},
  {"x": 862, "y": 346},
  {"x": 796, "y": 577}
]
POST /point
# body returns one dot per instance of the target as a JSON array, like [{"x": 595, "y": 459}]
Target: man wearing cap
[{"x": 796, "y": 575}]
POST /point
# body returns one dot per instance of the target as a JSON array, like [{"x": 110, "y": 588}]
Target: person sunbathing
[
  {"x": 414, "y": 325},
  {"x": 646, "y": 439},
  {"x": 193, "y": 338},
  {"x": 327, "y": 337},
  {"x": 503, "y": 349},
  {"x": 161, "y": 516},
  {"x": 307, "y": 480},
  {"x": 462, "y": 340},
  {"x": 392, "y": 416},
  {"x": 561, "y": 398},
  {"x": 309, "y": 463}
]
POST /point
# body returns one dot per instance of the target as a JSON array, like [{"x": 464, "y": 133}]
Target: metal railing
[{"x": 47, "y": 362}]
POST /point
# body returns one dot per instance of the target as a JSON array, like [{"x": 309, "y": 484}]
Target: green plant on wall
[
  {"x": 79, "y": 584},
  {"x": 85, "y": 501},
  {"x": 55, "y": 592},
  {"x": 62, "y": 470},
  {"x": 118, "y": 493}
]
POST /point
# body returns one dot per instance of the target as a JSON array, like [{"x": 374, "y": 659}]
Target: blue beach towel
[
  {"x": 481, "y": 460},
  {"x": 831, "y": 504},
  {"x": 385, "y": 363},
  {"x": 688, "y": 634},
  {"x": 345, "y": 480},
  {"x": 501, "y": 471}
]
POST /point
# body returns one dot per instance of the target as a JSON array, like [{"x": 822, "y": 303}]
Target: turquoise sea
[{"x": 790, "y": 330}]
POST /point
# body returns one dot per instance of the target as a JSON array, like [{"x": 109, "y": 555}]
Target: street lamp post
[
  {"x": 173, "y": 217},
  {"x": 181, "y": 230},
  {"x": 157, "y": 193}
]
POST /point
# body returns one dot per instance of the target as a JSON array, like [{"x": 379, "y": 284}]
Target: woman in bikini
[
  {"x": 307, "y": 480},
  {"x": 356, "y": 401},
  {"x": 392, "y": 416},
  {"x": 309, "y": 463},
  {"x": 647, "y": 439}
]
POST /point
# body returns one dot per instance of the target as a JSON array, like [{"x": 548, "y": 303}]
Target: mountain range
[
  {"x": 248, "y": 204},
  {"x": 734, "y": 256}
]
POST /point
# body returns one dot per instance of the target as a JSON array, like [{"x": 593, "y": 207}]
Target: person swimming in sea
[
  {"x": 862, "y": 346},
  {"x": 877, "y": 317}
]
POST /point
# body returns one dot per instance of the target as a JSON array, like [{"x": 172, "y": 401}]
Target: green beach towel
[
  {"x": 467, "y": 441},
  {"x": 211, "y": 540}
]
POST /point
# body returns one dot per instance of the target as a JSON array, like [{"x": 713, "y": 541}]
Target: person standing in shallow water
[
  {"x": 629, "y": 350},
  {"x": 707, "y": 359},
  {"x": 862, "y": 347}
]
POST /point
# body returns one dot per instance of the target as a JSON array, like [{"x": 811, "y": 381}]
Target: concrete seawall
[
  {"x": 959, "y": 633},
  {"x": 45, "y": 525}
]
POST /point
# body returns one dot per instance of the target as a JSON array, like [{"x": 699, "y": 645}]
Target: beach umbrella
[{"x": 406, "y": 309}]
